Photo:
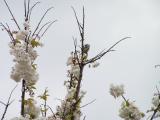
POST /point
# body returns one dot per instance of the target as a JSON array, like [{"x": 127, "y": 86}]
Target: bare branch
[
  {"x": 8, "y": 103},
  {"x": 41, "y": 20},
  {"x": 101, "y": 54},
  {"x": 28, "y": 9},
  {"x": 8, "y": 31},
  {"x": 37, "y": 35},
  {"x": 31, "y": 9},
  {"x": 79, "y": 25},
  {"x": 88, "y": 103},
  {"x": 47, "y": 28},
  {"x": 25, "y": 9},
  {"x": 51, "y": 110},
  {"x": 81, "y": 64},
  {"x": 2, "y": 103},
  {"x": 11, "y": 14},
  {"x": 83, "y": 23},
  {"x": 42, "y": 27}
]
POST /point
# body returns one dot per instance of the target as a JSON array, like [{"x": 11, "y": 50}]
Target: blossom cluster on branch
[
  {"x": 128, "y": 109},
  {"x": 24, "y": 41},
  {"x": 24, "y": 56}
]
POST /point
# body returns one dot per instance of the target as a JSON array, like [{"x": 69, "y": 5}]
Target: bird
[{"x": 86, "y": 48}]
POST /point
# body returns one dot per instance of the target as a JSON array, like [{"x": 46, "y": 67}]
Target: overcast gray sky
[{"x": 107, "y": 21}]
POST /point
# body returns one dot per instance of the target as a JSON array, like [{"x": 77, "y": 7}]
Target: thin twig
[
  {"x": 125, "y": 99},
  {"x": 31, "y": 9},
  {"x": 8, "y": 103},
  {"x": 11, "y": 14},
  {"x": 25, "y": 9},
  {"x": 2, "y": 103},
  {"x": 8, "y": 31},
  {"x": 42, "y": 28},
  {"x": 28, "y": 10},
  {"x": 99, "y": 56},
  {"x": 41, "y": 20},
  {"x": 88, "y": 103},
  {"x": 51, "y": 110},
  {"x": 79, "y": 25},
  {"x": 48, "y": 28}
]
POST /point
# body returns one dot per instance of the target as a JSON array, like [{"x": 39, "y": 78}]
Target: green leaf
[
  {"x": 35, "y": 43},
  {"x": 17, "y": 41},
  {"x": 34, "y": 66}
]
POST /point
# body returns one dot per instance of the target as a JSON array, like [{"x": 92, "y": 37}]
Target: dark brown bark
[{"x": 23, "y": 97}]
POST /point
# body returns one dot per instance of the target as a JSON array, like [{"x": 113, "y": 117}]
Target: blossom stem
[{"x": 124, "y": 99}]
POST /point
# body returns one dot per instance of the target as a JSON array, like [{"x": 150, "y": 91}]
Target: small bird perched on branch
[
  {"x": 86, "y": 48},
  {"x": 85, "y": 51}
]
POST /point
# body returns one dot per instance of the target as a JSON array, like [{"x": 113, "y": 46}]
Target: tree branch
[
  {"x": 23, "y": 97},
  {"x": 8, "y": 103},
  {"x": 88, "y": 103},
  {"x": 41, "y": 20},
  {"x": 101, "y": 54},
  {"x": 31, "y": 9},
  {"x": 11, "y": 14},
  {"x": 47, "y": 28}
]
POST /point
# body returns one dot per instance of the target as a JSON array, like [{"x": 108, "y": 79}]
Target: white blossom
[
  {"x": 32, "y": 110},
  {"x": 21, "y": 35},
  {"x": 129, "y": 111},
  {"x": 82, "y": 93},
  {"x": 75, "y": 70},
  {"x": 70, "y": 61},
  {"x": 156, "y": 101},
  {"x": 24, "y": 71},
  {"x": 24, "y": 68},
  {"x": 26, "y": 25},
  {"x": 77, "y": 115},
  {"x": 116, "y": 90}
]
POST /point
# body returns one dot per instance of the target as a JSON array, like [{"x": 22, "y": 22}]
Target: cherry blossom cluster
[
  {"x": 70, "y": 106},
  {"x": 116, "y": 90},
  {"x": 31, "y": 111},
  {"x": 155, "y": 108},
  {"x": 128, "y": 110},
  {"x": 22, "y": 48}
]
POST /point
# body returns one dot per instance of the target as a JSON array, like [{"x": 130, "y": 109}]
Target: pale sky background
[{"x": 107, "y": 21}]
